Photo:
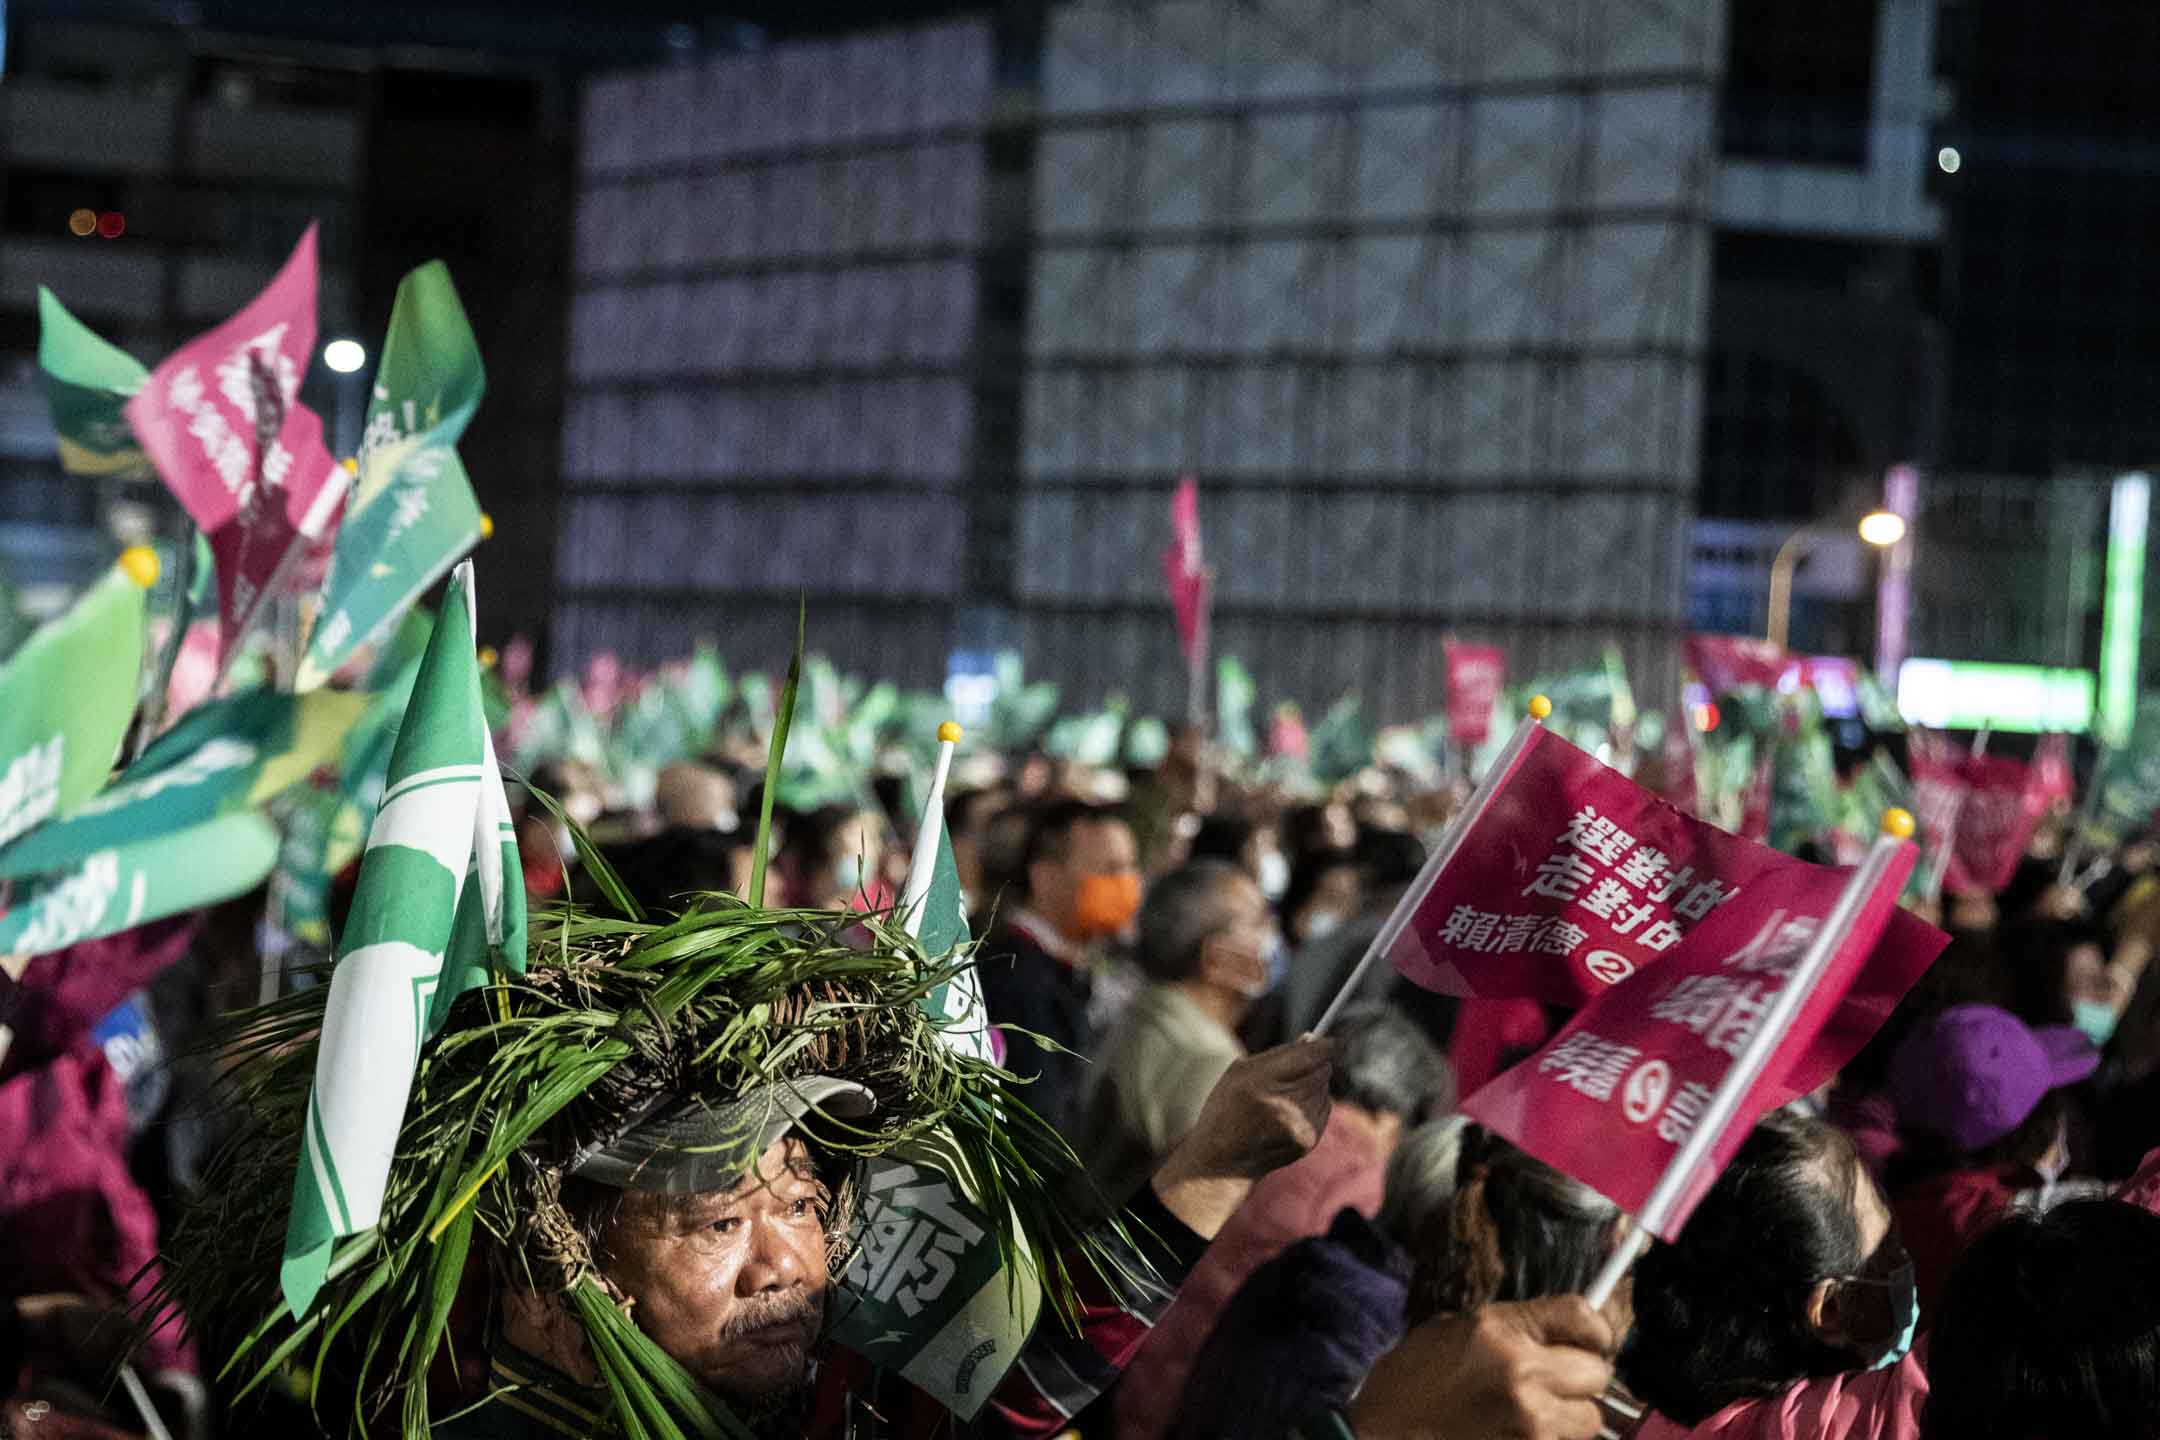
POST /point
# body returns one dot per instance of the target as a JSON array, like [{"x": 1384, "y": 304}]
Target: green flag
[
  {"x": 412, "y": 511},
  {"x": 88, "y": 380},
  {"x": 137, "y": 882},
  {"x": 223, "y": 757},
  {"x": 407, "y": 951},
  {"x": 1234, "y": 697},
  {"x": 66, "y": 697},
  {"x": 928, "y": 1293}
]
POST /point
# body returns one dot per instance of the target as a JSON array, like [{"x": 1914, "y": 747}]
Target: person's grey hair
[
  {"x": 1182, "y": 910},
  {"x": 1421, "y": 1178},
  {"x": 1388, "y": 1066}
]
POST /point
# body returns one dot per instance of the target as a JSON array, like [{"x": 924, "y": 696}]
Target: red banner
[
  {"x": 1575, "y": 886},
  {"x": 1726, "y": 662},
  {"x": 1612, "y": 1098},
  {"x": 222, "y": 421},
  {"x": 1185, "y": 566},
  {"x": 1474, "y": 676},
  {"x": 1989, "y": 806}
]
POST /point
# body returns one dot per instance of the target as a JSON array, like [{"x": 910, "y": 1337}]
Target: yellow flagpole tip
[
  {"x": 351, "y": 466},
  {"x": 1897, "y": 823},
  {"x": 1540, "y": 707},
  {"x": 487, "y": 657},
  {"x": 950, "y": 733},
  {"x": 141, "y": 564},
  {"x": 487, "y": 526}
]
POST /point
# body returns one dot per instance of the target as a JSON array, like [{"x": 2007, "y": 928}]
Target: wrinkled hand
[
  {"x": 1266, "y": 1111},
  {"x": 1532, "y": 1371}
]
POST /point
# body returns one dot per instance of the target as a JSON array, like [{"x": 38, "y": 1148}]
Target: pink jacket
[
  {"x": 1864, "y": 1405},
  {"x": 1298, "y": 1201}
]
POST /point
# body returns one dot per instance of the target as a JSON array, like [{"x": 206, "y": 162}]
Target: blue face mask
[
  {"x": 1904, "y": 1316},
  {"x": 2096, "y": 1018}
]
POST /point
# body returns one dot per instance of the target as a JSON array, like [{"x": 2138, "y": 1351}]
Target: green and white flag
[
  {"x": 412, "y": 511},
  {"x": 88, "y": 380},
  {"x": 137, "y": 882},
  {"x": 928, "y": 1293},
  {"x": 407, "y": 951},
  {"x": 66, "y": 697},
  {"x": 223, "y": 757}
]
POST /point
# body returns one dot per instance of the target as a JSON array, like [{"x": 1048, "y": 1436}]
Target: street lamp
[{"x": 1879, "y": 528}]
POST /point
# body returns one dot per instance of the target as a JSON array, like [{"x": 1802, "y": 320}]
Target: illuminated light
[
  {"x": 1706, "y": 717},
  {"x": 2122, "y": 606},
  {"x": 1948, "y": 160},
  {"x": 1882, "y": 528},
  {"x": 344, "y": 356},
  {"x": 112, "y": 225},
  {"x": 1968, "y": 695},
  {"x": 83, "y": 223}
]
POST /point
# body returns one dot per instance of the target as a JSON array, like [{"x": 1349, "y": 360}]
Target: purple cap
[{"x": 1973, "y": 1073}]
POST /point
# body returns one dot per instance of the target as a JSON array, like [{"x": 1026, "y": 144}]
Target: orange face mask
[{"x": 1106, "y": 904}]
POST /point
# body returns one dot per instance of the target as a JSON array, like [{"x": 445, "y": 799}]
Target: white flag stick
[
  {"x": 2076, "y": 842},
  {"x": 1946, "y": 843},
  {"x": 1450, "y": 843},
  {"x": 924, "y": 862},
  {"x": 1680, "y": 1173},
  {"x": 153, "y": 1423}
]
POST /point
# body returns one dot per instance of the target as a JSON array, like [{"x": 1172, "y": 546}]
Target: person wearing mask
[
  {"x": 1979, "y": 1102},
  {"x": 1302, "y": 1331},
  {"x": 2050, "y": 1330},
  {"x": 1081, "y": 886},
  {"x": 1323, "y": 895},
  {"x": 1785, "y": 1310},
  {"x": 1206, "y": 943},
  {"x": 1388, "y": 863},
  {"x": 1250, "y": 846},
  {"x": 1388, "y": 1078}
]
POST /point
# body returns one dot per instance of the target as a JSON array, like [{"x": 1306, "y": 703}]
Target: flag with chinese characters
[
  {"x": 223, "y": 758},
  {"x": 136, "y": 881},
  {"x": 65, "y": 700},
  {"x": 88, "y": 382},
  {"x": 412, "y": 512},
  {"x": 1572, "y": 878},
  {"x": 1185, "y": 566},
  {"x": 221, "y": 419},
  {"x": 1611, "y": 1099},
  {"x": 1474, "y": 676}
]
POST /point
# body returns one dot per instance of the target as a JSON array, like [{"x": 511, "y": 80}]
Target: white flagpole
[
  {"x": 926, "y": 836},
  {"x": 1450, "y": 843},
  {"x": 1747, "y": 1068},
  {"x": 2084, "y": 819}
]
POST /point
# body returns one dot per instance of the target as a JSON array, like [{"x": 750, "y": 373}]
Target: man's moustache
[{"x": 802, "y": 1311}]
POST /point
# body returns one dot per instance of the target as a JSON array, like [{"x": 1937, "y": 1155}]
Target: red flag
[
  {"x": 1988, "y": 806},
  {"x": 1726, "y": 662},
  {"x": 1474, "y": 674},
  {"x": 1614, "y": 1096},
  {"x": 222, "y": 420},
  {"x": 1185, "y": 567}
]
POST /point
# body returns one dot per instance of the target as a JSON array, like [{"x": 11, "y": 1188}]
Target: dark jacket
[
  {"x": 1026, "y": 986},
  {"x": 1299, "y": 1337}
]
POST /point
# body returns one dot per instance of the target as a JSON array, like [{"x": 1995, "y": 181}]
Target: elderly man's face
[{"x": 730, "y": 1282}]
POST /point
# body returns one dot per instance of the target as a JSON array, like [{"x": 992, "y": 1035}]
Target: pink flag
[
  {"x": 1474, "y": 674},
  {"x": 1726, "y": 662},
  {"x": 603, "y": 683},
  {"x": 1988, "y": 806},
  {"x": 2052, "y": 776},
  {"x": 1185, "y": 567},
  {"x": 1614, "y": 1096},
  {"x": 222, "y": 420}
]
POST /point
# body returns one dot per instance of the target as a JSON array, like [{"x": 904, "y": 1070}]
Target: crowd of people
[{"x": 1958, "y": 1239}]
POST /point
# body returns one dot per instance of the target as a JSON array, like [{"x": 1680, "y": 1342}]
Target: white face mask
[
  {"x": 1319, "y": 924},
  {"x": 1274, "y": 875}
]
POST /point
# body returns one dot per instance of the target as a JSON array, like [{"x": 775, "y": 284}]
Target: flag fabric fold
[
  {"x": 88, "y": 382},
  {"x": 1185, "y": 567},
  {"x": 407, "y": 951},
  {"x": 412, "y": 512}
]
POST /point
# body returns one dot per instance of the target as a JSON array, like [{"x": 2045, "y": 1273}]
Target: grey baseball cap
[{"x": 687, "y": 1146}]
